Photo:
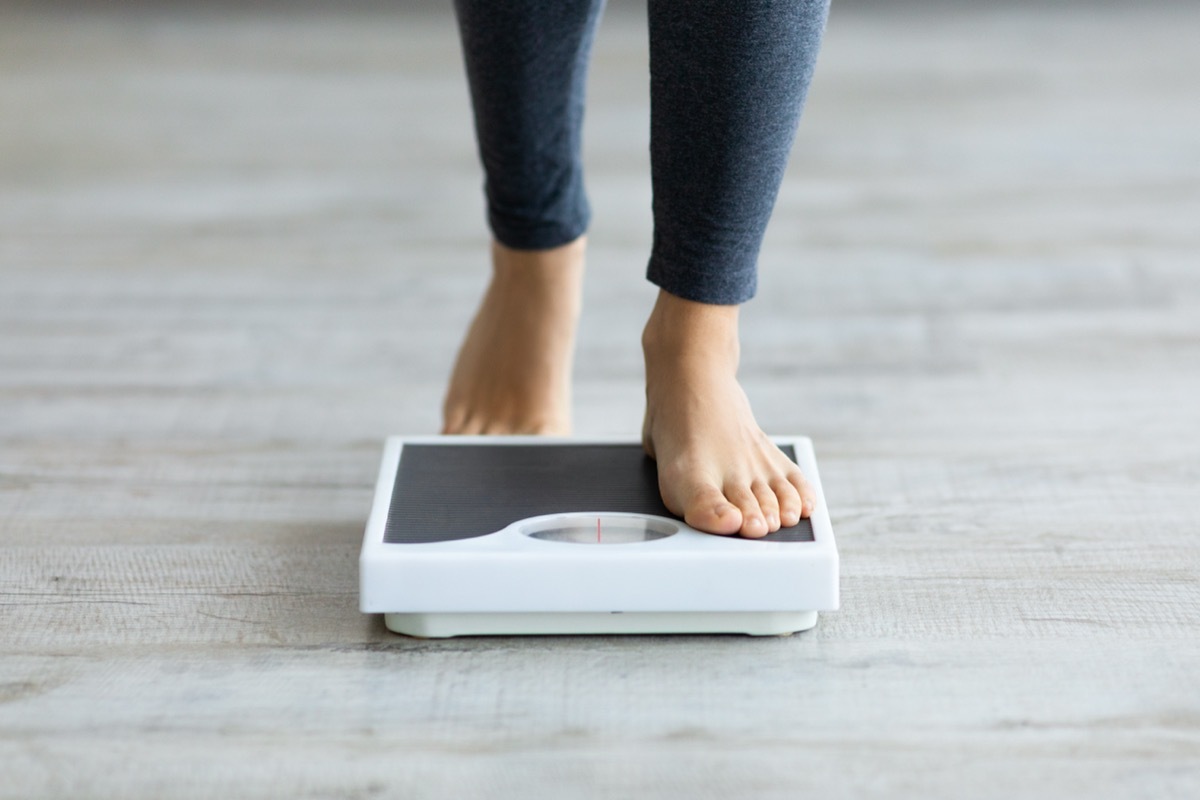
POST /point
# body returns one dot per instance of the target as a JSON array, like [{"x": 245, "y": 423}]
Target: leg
[
  {"x": 526, "y": 63},
  {"x": 728, "y": 81}
]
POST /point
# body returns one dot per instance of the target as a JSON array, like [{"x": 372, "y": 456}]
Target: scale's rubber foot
[{"x": 753, "y": 623}]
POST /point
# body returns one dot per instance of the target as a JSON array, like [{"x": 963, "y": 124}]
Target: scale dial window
[{"x": 601, "y": 529}]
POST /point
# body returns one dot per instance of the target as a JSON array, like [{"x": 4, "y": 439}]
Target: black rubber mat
[{"x": 461, "y": 491}]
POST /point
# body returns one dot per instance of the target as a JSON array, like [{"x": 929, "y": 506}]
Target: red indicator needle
[{"x": 597, "y": 529}]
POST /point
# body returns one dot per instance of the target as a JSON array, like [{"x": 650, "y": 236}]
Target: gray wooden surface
[{"x": 238, "y": 249}]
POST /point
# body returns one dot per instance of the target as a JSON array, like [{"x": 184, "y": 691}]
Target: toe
[
  {"x": 707, "y": 510},
  {"x": 768, "y": 502},
  {"x": 496, "y": 427},
  {"x": 754, "y": 526},
  {"x": 452, "y": 419},
  {"x": 791, "y": 506},
  {"x": 472, "y": 425},
  {"x": 796, "y": 478}
]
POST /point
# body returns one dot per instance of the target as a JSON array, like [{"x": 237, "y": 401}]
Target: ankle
[
  {"x": 681, "y": 330},
  {"x": 556, "y": 269}
]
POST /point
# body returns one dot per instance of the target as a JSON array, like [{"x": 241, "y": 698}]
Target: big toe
[{"x": 707, "y": 510}]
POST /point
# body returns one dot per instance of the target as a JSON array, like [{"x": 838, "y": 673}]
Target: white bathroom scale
[{"x": 475, "y": 535}]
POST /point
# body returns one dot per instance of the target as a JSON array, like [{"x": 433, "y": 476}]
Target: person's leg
[
  {"x": 526, "y": 63},
  {"x": 728, "y": 82}
]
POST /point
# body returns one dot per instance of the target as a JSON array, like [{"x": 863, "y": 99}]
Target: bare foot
[
  {"x": 716, "y": 468},
  {"x": 513, "y": 372}
]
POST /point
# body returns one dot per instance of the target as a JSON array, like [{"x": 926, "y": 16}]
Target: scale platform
[{"x": 479, "y": 535}]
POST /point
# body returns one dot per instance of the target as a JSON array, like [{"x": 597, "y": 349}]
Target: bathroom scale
[{"x": 479, "y": 535}]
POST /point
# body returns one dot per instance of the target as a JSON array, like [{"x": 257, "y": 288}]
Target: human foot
[
  {"x": 513, "y": 372},
  {"x": 716, "y": 468}
]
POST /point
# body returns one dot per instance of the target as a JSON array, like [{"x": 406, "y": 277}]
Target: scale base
[{"x": 753, "y": 623}]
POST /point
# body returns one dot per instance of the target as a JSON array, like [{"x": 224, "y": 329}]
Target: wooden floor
[{"x": 238, "y": 249}]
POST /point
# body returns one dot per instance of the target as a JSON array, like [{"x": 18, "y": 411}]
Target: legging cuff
[
  {"x": 726, "y": 281},
  {"x": 521, "y": 233}
]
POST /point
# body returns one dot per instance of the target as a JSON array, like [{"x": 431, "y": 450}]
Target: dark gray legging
[{"x": 727, "y": 82}]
